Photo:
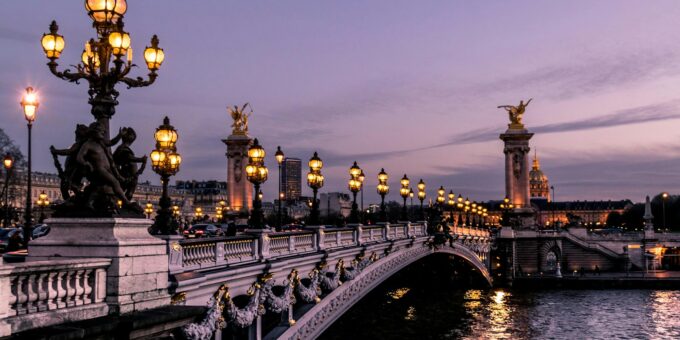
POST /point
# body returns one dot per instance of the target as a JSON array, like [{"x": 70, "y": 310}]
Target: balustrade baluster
[
  {"x": 78, "y": 297},
  {"x": 88, "y": 282},
  {"x": 62, "y": 289},
  {"x": 52, "y": 291},
  {"x": 32, "y": 292},
  {"x": 43, "y": 288}
]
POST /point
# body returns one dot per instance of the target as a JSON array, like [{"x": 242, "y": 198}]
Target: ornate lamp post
[
  {"x": 315, "y": 181},
  {"x": 102, "y": 60},
  {"x": 279, "y": 159},
  {"x": 148, "y": 210},
  {"x": 222, "y": 209},
  {"x": 451, "y": 203},
  {"x": 466, "y": 210},
  {"x": 29, "y": 102},
  {"x": 42, "y": 202},
  {"x": 506, "y": 206},
  {"x": 7, "y": 162},
  {"x": 165, "y": 161},
  {"x": 440, "y": 197},
  {"x": 664, "y": 197},
  {"x": 257, "y": 174},
  {"x": 198, "y": 213},
  {"x": 383, "y": 189},
  {"x": 421, "y": 196},
  {"x": 354, "y": 185},
  {"x": 362, "y": 177},
  {"x": 404, "y": 191}
]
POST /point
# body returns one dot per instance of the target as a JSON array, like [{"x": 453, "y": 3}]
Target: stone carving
[
  {"x": 331, "y": 280},
  {"x": 240, "y": 124},
  {"x": 244, "y": 317},
  {"x": 279, "y": 298},
  {"x": 517, "y": 164},
  {"x": 238, "y": 171},
  {"x": 126, "y": 162},
  {"x": 515, "y": 112},
  {"x": 205, "y": 329},
  {"x": 90, "y": 159},
  {"x": 308, "y": 289}
]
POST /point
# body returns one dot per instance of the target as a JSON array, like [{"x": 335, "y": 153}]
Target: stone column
[
  {"x": 239, "y": 190},
  {"x": 517, "y": 188}
]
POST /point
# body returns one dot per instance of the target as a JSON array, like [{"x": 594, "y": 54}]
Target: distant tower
[
  {"x": 538, "y": 181},
  {"x": 239, "y": 190},
  {"x": 291, "y": 178}
]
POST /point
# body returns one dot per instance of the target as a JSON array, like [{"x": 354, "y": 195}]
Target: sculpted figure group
[{"x": 94, "y": 181}]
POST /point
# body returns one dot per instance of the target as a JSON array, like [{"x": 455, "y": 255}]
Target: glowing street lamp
[
  {"x": 383, "y": 190},
  {"x": 165, "y": 161},
  {"x": 148, "y": 210},
  {"x": 29, "y": 102},
  {"x": 315, "y": 181},
  {"x": 279, "y": 159},
  {"x": 7, "y": 162},
  {"x": 257, "y": 173},
  {"x": 404, "y": 192},
  {"x": 42, "y": 202},
  {"x": 354, "y": 185},
  {"x": 421, "y": 196}
]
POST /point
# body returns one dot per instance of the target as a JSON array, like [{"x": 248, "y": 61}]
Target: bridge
[{"x": 307, "y": 278}]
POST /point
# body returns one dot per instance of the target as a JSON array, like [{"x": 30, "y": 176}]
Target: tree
[
  {"x": 614, "y": 219},
  {"x": 7, "y": 146}
]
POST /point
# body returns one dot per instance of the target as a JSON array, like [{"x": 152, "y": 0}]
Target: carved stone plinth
[
  {"x": 517, "y": 188},
  {"x": 137, "y": 278},
  {"x": 239, "y": 190}
]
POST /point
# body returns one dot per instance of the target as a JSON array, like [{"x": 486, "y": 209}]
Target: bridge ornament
[
  {"x": 278, "y": 303},
  {"x": 308, "y": 289},
  {"x": 213, "y": 321},
  {"x": 331, "y": 280}
]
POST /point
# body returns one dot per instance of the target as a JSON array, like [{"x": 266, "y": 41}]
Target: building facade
[
  {"x": 291, "y": 179},
  {"x": 335, "y": 203}
]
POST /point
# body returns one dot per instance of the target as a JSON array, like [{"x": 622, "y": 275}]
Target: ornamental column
[
  {"x": 239, "y": 190},
  {"x": 516, "y": 149}
]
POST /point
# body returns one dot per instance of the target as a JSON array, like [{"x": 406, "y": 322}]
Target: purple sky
[{"x": 405, "y": 85}]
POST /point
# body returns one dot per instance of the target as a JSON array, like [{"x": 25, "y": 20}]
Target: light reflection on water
[{"x": 508, "y": 314}]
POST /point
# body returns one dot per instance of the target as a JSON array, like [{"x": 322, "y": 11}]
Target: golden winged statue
[
  {"x": 240, "y": 117},
  {"x": 515, "y": 113}
]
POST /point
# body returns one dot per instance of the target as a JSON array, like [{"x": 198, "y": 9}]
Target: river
[{"x": 436, "y": 300}]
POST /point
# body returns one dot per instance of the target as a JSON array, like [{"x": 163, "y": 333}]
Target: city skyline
[{"x": 419, "y": 85}]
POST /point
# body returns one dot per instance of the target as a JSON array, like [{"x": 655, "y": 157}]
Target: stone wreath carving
[
  {"x": 244, "y": 317},
  {"x": 279, "y": 298},
  {"x": 308, "y": 289},
  {"x": 359, "y": 264},
  {"x": 331, "y": 280},
  {"x": 213, "y": 320}
]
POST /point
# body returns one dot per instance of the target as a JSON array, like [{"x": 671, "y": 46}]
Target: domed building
[{"x": 538, "y": 182}]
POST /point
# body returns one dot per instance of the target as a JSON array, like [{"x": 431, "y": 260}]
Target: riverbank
[{"x": 633, "y": 280}]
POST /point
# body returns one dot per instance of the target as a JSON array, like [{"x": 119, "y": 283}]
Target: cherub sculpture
[
  {"x": 126, "y": 162},
  {"x": 515, "y": 112}
]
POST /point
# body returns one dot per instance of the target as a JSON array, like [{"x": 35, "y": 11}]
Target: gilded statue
[
  {"x": 515, "y": 112},
  {"x": 240, "y": 117}
]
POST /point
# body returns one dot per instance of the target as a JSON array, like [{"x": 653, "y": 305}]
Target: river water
[{"x": 427, "y": 303}]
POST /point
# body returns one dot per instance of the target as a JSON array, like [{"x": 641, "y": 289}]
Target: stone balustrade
[
  {"x": 41, "y": 293},
  {"x": 207, "y": 253}
]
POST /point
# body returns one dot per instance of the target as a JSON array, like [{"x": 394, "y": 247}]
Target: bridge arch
[{"x": 333, "y": 306}]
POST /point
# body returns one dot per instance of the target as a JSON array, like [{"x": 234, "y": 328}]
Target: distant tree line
[{"x": 633, "y": 217}]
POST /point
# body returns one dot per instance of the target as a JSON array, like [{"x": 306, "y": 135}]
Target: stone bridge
[{"x": 327, "y": 270}]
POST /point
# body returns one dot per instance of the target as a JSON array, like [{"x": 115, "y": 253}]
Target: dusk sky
[{"x": 411, "y": 86}]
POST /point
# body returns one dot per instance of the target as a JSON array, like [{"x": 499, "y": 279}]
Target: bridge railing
[
  {"x": 40, "y": 293},
  {"x": 197, "y": 254}
]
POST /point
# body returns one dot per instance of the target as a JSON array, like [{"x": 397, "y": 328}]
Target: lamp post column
[
  {"x": 28, "y": 216},
  {"x": 383, "y": 213},
  {"x": 314, "y": 218},
  {"x": 257, "y": 208},
  {"x": 280, "y": 198},
  {"x": 6, "y": 222}
]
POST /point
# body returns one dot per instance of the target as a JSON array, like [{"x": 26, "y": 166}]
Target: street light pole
[
  {"x": 664, "y": 196},
  {"x": 315, "y": 181},
  {"x": 30, "y": 104},
  {"x": 7, "y": 162},
  {"x": 279, "y": 159},
  {"x": 552, "y": 206},
  {"x": 383, "y": 189}
]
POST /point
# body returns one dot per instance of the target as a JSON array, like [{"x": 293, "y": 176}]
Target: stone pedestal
[
  {"x": 239, "y": 190},
  {"x": 138, "y": 276}
]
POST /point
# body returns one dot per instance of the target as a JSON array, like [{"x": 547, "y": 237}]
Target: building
[
  {"x": 291, "y": 179},
  {"x": 206, "y": 195},
  {"x": 151, "y": 193},
  {"x": 335, "y": 203},
  {"x": 538, "y": 182}
]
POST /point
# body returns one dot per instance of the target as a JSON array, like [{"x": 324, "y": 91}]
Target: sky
[{"x": 409, "y": 86}]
